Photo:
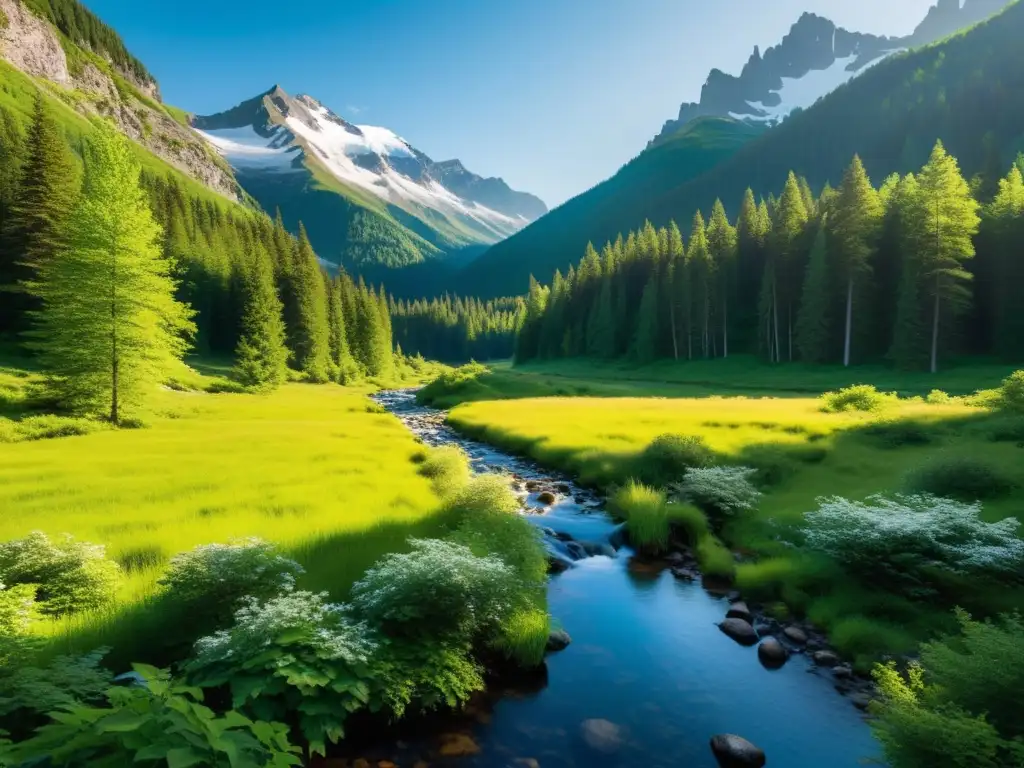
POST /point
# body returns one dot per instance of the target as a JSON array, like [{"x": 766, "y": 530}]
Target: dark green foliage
[
  {"x": 29, "y": 690},
  {"x": 666, "y": 460},
  {"x": 1011, "y": 394},
  {"x": 456, "y": 330},
  {"x": 899, "y": 433},
  {"x": 812, "y": 325},
  {"x": 859, "y": 397},
  {"x": 261, "y": 358},
  {"x": 310, "y": 336},
  {"x": 960, "y": 477}
]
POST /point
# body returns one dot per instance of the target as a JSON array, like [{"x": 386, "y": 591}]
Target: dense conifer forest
[{"x": 453, "y": 329}]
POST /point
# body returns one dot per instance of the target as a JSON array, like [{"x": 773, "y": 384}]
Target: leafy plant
[
  {"x": 885, "y": 539},
  {"x": 668, "y": 458},
  {"x": 719, "y": 491},
  {"x": 214, "y": 577},
  {"x": 898, "y": 433},
  {"x": 71, "y": 575},
  {"x": 938, "y": 397},
  {"x": 1012, "y": 392},
  {"x": 523, "y": 637},
  {"x": 295, "y": 654},
  {"x": 159, "y": 724},
  {"x": 447, "y": 468},
  {"x": 29, "y": 689},
  {"x": 861, "y": 397},
  {"x": 17, "y": 608},
  {"x": 646, "y": 514},
  {"x": 959, "y": 477}
]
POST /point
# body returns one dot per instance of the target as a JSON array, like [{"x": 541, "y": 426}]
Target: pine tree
[
  {"x": 109, "y": 328},
  {"x": 675, "y": 253},
  {"x": 35, "y": 228},
  {"x": 645, "y": 338},
  {"x": 855, "y": 230},
  {"x": 553, "y": 325},
  {"x": 261, "y": 358},
  {"x": 722, "y": 245},
  {"x": 702, "y": 279},
  {"x": 343, "y": 365},
  {"x": 949, "y": 220},
  {"x": 601, "y": 322},
  {"x": 812, "y": 326},
  {"x": 789, "y": 224},
  {"x": 1004, "y": 225},
  {"x": 529, "y": 338},
  {"x": 310, "y": 336}
]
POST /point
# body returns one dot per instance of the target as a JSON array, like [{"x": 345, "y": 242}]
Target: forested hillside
[
  {"x": 960, "y": 90},
  {"x": 453, "y": 329},
  {"x": 908, "y": 272}
]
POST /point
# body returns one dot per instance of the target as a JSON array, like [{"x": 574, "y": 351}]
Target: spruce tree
[
  {"x": 553, "y": 325},
  {"x": 788, "y": 229},
  {"x": 675, "y": 253},
  {"x": 645, "y": 338},
  {"x": 702, "y": 279},
  {"x": 311, "y": 348},
  {"x": 343, "y": 365},
  {"x": 109, "y": 327},
  {"x": 722, "y": 245},
  {"x": 261, "y": 358},
  {"x": 1004, "y": 225},
  {"x": 948, "y": 217},
  {"x": 35, "y": 228},
  {"x": 812, "y": 327},
  {"x": 529, "y": 338},
  {"x": 855, "y": 230}
]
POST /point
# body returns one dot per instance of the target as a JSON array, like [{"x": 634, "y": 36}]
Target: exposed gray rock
[
  {"x": 31, "y": 45},
  {"x": 733, "y": 751},
  {"x": 547, "y": 498},
  {"x": 825, "y": 658},
  {"x": 860, "y": 700},
  {"x": 772, "y": 653},
  {"x": 601, "y": 735},
  {"x": 739, "y": 630},
  {"x": 558, "y": 564},
  {"x": 843, "y": 672},
  {"x": 739, "y": 610},
  {"x": 575, "y": 550},
  {"x": 558, "y": 640},
  {"x": 795, "y": 635},
  {"x": 596, "y": 548}
]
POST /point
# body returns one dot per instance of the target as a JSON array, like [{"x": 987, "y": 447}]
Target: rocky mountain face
[
  {"x": 393, "y": 204},
  {"x": 33, "y": 45},
  {"x": 815, "y": 58}
]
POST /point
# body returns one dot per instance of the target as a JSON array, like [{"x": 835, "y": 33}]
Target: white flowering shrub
[
  {"x": 70, "y": 576},
  {"x": 719, "y": 491},
  {"x": 295, "y": 654},
  {"x": 440, "y": 589},
  {"x": 902, "y": 536},
  {"x": 17, "y": 609},
  {"x": 217, "y": 576}
]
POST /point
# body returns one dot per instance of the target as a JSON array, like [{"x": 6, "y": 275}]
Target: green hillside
[
  {"x": 960, "y": 90},
  {"x": 597, "y": 215}
]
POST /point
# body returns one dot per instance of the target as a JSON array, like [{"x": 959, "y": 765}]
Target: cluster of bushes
[
  {"x": 861, "y": 397},
  {"x": 415, "y": 634}
]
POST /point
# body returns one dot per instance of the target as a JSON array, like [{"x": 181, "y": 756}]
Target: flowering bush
[
  {"x": 861, "y": 397},
  {"x": 719, "y": 491},
  {"x": 17, "y": 608},
  {"x": 295, "y": 653},
  {"x": 440, "y": 589},
  {"x": 70, "y": 575},
  {"x": 899, "y": 537},
  {"x": 217, "y": 576}
]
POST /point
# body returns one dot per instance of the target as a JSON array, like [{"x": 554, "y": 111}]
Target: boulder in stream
[
  {"x": 558, "y": 564},
  {"x": 825, "y": 658},
  {"x": 739, "y": 610},
  {"x": 558, "y": 640},
  {"x": 547, "y": 498},
  {"x": 595, "y": 548},
  {"x": 601, "y": 735},
  {"x": 739, "y": 630},
  {"x": 733, "y": 751},
  {"x": 795, "y": 635},
  {"x": 772, "y": 653}
]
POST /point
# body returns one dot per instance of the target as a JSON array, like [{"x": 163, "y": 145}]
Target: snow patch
[{"x": 245, "y": 148}]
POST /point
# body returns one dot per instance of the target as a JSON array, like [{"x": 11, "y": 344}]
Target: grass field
[
  {"x": 802, "y": 453},
  {"x": 316, "y": 469}
]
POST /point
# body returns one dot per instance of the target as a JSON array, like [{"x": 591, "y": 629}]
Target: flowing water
[{"x": 646, "y": 656}]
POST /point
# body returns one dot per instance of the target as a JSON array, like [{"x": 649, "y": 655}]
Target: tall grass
[
  {"x": 523, "y": 637},
  {"x": 645, "y": 511}
]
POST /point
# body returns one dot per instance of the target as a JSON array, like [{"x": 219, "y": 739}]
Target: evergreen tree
[
  {"x": 948, "y": 217},
  {"x": 645, "y": 339},
  {"x": 722, "y": 245},
  {"x": 529, "y": 338},
  {"x": 812, "y": 327},
  {"x": 343, "y": 365},
  {"x": 1004, "y": 224},
  {"x": 310, "y": 337},
  {"x": 553, "y": 327},
  {"x": 35, "y": 228},
  {"x": 675, "y": 254},
  {"x": 789, "y": 224},
  {"x": 751, "y": 236},
  {"x": 855, "y": 229},
  {"x": 702, "y": 279},
  {"x": 261, "y": 358},
  {"x": 601, "y": 324},
  {"x": 109, "y": 327}
]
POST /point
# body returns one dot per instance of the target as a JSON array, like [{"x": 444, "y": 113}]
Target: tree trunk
[
  {"x": 849, "y": 321},
  {"x": 789, "y": 330},
  {"x": 672, "y": 319},
  {"x": 725, "y": 328},
  {"x": 935, "y": 331},
  {"x": 775, "y": 315}
]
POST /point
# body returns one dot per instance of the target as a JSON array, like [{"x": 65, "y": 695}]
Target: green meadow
[
  {"x": 800, "y": 453},
  {"x": 318, "y": 470}
]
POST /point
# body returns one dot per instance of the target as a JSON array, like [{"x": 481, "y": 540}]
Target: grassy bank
[
  {"x": 316, "y": 469},
  {"x": 800, "y": 453}
]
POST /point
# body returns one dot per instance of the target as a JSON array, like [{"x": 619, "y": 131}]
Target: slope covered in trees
[
  {"x": 916, "y": 271},
  {"x": 959, "y": 90},
  {"x": 454, "y": 329}
]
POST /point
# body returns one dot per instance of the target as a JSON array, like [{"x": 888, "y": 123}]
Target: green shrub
[
  {"x": 775, "y": 464},
  {"x": 861, "y": 397},
  {"x": 1007, "y": 430},
  {"x": 447, "y": 468},
  {"x": 71, "y": 575},
  {"x": 160, "y": 723},
  {"x": 862, "y": 637},
  {"x": 959, "y": 477},
  {"x": 667, "y": 459},
  {"x": 17, "y": 609},
  {"x": 46, "y": 427},
  {"x": 645, "y": 511},
  {"x": 715, "y": 559},
  {"x": 28, "y": 689},
  {"x": 523, "y": 637},
  {"x": 721, "y": 492},
  {"x": 938, "y": 397},
  {"x": 1012, "y": 392},
  {"x": 898, "y": 433},
  {"x": 688, "y": 519},
  {"x": 451, "y": 382}
]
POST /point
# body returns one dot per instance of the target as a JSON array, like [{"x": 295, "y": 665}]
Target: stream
[{"x": 647, "y": 662}]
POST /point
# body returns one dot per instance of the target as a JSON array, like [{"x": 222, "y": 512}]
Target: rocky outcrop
[
  {"x": 739, "y": 630},
  {"x": 30, "y": 44},
  {"x": 558, "y": 640},
  {"x": 733, "y": 751},
  {"x": 772, "y": 653}
]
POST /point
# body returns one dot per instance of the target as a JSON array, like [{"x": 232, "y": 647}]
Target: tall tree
[
  {"x": 109, "y": 328},
  {"x": 645, "y": 338},
  {"x": 786, "y": 250},
  {"x": 261, "y": 358},
  {"x": 310, "y": 336},
  {"x": 1004, "y": 224},
  {"x": 812, "y": 325},
  {"x": 529, "y": 339},
  {"x": 35, "y": 228},
  {"x": 701, "y": 267},
  {"x": 722, "y": 246},
  {"x": 343, "y": 365},
  {"x": 949, "y": 219},
  {"x": 855, "y": 229}
]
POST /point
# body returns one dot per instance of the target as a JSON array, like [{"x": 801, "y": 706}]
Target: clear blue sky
[{"x": 551, "y": 95}]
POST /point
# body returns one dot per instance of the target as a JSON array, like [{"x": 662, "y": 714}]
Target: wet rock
[
  {"x": 549, "y": 532},
  {"x": 739, "y": 610},
  {"x": 734, "y": 597},
  {"x": 772, "y": 653},
  {"x": 575, "y": 550},
  {"x": 795, "y": 635},
  {"x": 733, "y": 751},
  {"x": 558, "y": 565},
  {"x": 860, "y": 700},
  {"x": 676, "y": 558},
  {"x": 547, "y": 498},
  {"x": 843, "y": 672},
  {"x": 595, "y": 548},
  {"x": 618, "y": 537},
  {"x": 739, "y": 630},
  {"x": 563, "y": 536},
  {"x": 685, "y": 573},
  {"x": 825, "y": 658},
  {"x": 564, "y": 488},
  {"x": 532, "y": 485},
  {"x": 580, "y": 498},
  {"x": 458, "y": 745},
  {"x": 558, "y": 640},
  {"x": 601, "y": 735}
]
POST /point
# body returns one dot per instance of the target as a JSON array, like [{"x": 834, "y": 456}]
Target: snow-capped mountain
[
  {"x": 814, "y": 59},
  {"x": 274, "y": 138}
]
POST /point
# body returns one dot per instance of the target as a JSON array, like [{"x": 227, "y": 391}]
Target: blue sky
[{"x": 551, "y": 95}]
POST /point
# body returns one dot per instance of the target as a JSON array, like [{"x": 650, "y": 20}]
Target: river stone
[
  {"x": 795, "y": 635},
  {"x": 736, "y": 752},
  {"x": 563, "y": 536},
  {"x": 843, "y": 671},
  {"x": 558, "y": 565},
  {"x": 740, "y": 631},
  {"x": 860, "y": 700},
  {"x": 547, "y": 497},
  {"x": 558, "y": 640},
  {"x": 618, "y": 537},
  {"x": 532, "y": 485},
  {"x": 772, "y": 653},
  {"x": 575, "y": 550},
  {"x": 458, "y": 745},
  {"x": 739, "y": 610},
  {"x": 825, "y": 658},
  {"x": 595, "y": 548},
  {"x": 601, "y": 735},
  {"x": 563, "y": 488}
]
